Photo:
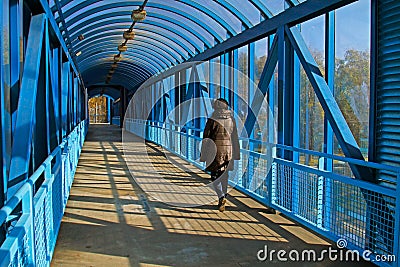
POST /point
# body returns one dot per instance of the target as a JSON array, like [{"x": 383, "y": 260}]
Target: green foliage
[{"x": 351, "y": 90}]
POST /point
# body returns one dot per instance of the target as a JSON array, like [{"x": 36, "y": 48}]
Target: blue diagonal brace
[
  {"x": 190, "y": 93},
  {"x": 204, "y": 92},
  {"x": 263, "y": 87},
  {"x": 21, "y": 148},
  {"x": 332, "y": 111}
]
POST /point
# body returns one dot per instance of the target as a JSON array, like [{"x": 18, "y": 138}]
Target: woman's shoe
[{"x": 221, "y": 204}]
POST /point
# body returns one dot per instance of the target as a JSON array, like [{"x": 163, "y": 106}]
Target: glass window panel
[
  {"x": 191, "y": 37},
  {"x": 313, "y": 32},
  {"x": 352, "y": 77},
  {"x": 247, "y": 9},
  {"x": 216, "y": 77},
  {"x": 201, "y": 16},
  {"x": 276, "y": 6},
  {"x": 243, "y": 82},
  {"x": 311, "y": 112},
  {"x": 184, "y": 21},
  {"x": 311, "y": 120},
  {"x": 160, "y": 32},
  {"x": 260, "y": 57},
  {"x": 160, "y": 38},
  {"x": 230, "y": 18},
  {"x": 96, "y": 14},
  {"x": 261, "y": 52}
]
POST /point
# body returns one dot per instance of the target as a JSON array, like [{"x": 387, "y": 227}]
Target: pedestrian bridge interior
[{"x": 103, "y": 106}]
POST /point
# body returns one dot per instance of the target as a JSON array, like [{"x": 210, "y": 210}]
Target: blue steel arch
[
  {"x": 109, "y": 41},
  {"x": 126, "y": 67},
  {"x": 142, "y": 61},
  {"x": 245, "y": 21},
  {"x": 193, "y": 4},
  {"x": 108, "y": 91},
  {"x": 147, "y": 38},
  {"x": 113, "y": 17},
  {"x": 139, "y": 57},
  {"x": 259, "y": 4},
  {"x": 172, "y": 9},
  {"x": 91, "y": 75},
  {"x": 176, "y": 20},
  {"x": 167, "y": 33},
  {"x": 150, "y": 58}
]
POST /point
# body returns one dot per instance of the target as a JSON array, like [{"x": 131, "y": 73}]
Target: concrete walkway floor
[{"x": 110, "y": 221}]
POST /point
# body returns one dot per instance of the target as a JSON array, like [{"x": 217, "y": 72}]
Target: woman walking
[{"x": 220, "y": 148}]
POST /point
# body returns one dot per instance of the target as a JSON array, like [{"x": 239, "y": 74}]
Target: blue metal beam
[
  {"x": 5, "y": 119},
  {"x": 330, "y": 79},
  {"x": 332, "y": 111},
  {"x": 21, "y": 148},
  {"x": 56, "y": 30},
  {"x": 64, "y": 95}
]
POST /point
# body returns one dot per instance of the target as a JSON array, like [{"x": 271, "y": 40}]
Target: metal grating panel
[{"x": 388, "y": 87}]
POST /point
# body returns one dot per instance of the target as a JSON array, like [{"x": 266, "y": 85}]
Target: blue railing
[
  {"x": 33, "y": 215},
  {"x": 115, "y": 120},
  {"x": 331, "y": 203}
]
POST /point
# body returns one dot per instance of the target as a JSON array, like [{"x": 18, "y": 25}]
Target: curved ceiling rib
[
  {"x": 106, "y": 42},
  {"x": 172, "y": 32},
  {"x": 167, "y": 44},
  {"x": 177, "y": 12}
]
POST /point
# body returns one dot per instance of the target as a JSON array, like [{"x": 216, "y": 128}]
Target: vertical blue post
[
  {"x": 221, "y": 77},
  {"x": 320, "y": 194},
  {"x": 64, "y": 98},
  {"x": 271, "y": 130},
  {"x": 228, "y": 78},
  {"x": 55, "y": 87},
  {"x": 15, "y": 57},
  {"x": 109, "y": 109},
  {"x": 285, "y": 109},
  {"x": 235, "y": 104},
  {"x": 328, "y": 135},
  {"x": 211, "y": 87},
  {"x": 75, "y": 106},
  {"x": 5, "y": 125},
  {"x": 251, "y": 85},
  {"x": 396, "y": 243},
  {"x": 296, "y": 127},
  {"x": 235, "y": 107},
  {"x": 47, "y": 88}
]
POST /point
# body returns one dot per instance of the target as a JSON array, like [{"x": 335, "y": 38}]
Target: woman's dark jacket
[{"x": 221, "y": 129}]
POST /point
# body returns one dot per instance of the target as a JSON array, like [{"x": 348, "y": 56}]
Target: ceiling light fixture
[
  {"x": 129, "y": 35},
  {"x": 122, "y": 48},
  {"x": 138, "y": 14}
]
